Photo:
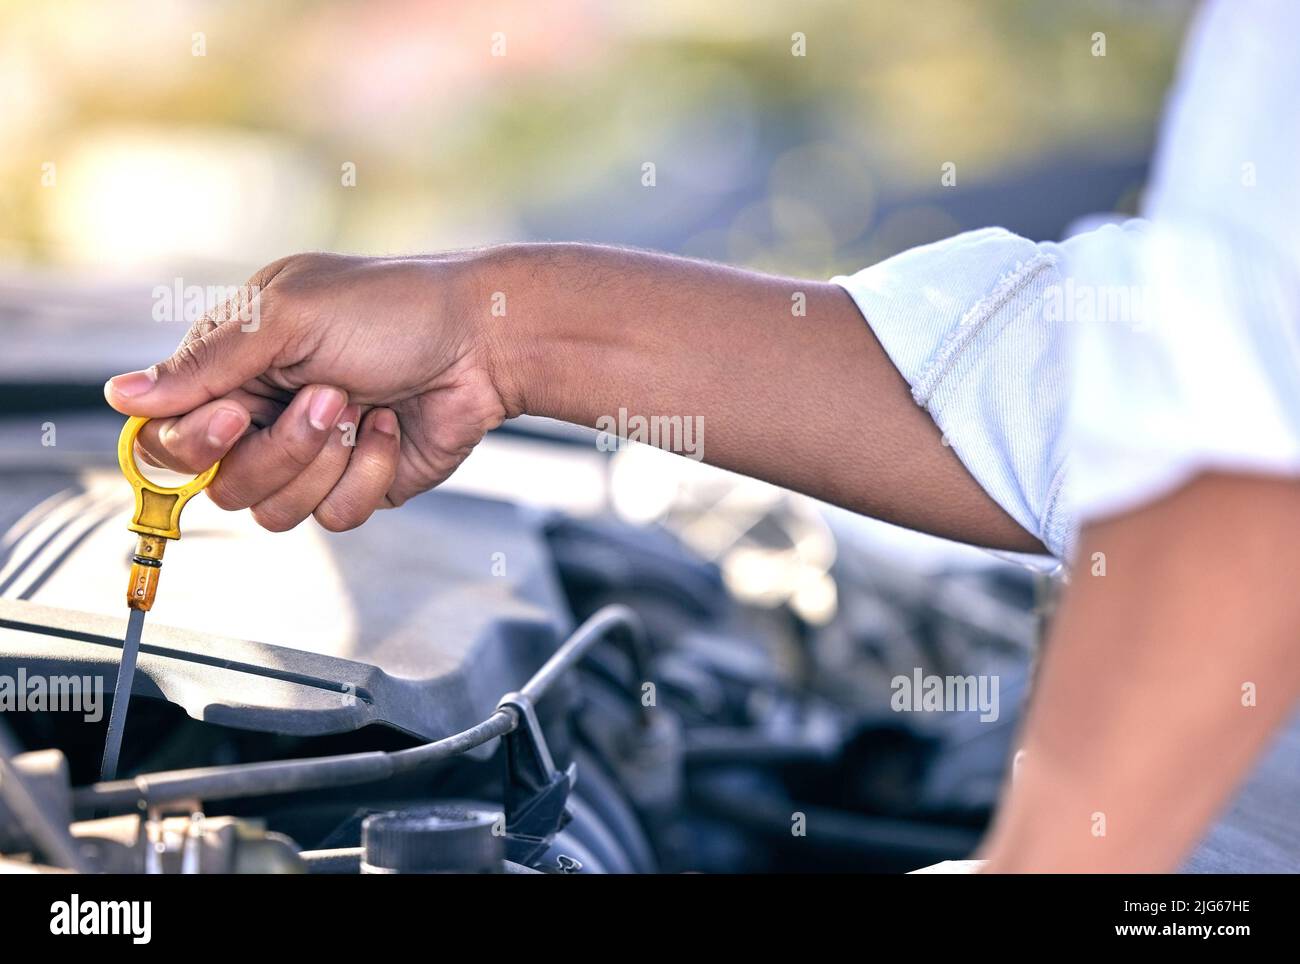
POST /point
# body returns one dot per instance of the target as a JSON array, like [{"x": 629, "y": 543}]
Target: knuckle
[
  {"x": 288, "y": 273},
  {"x": 264, "y": 275},
  {"x": 274, "y": 519},
  {"x": 187, "y": 360},
  {"x": 376, "y": 469},
  {"x": 204, "y": 326},
  {"x": 338, "y": 519},
  {"x": 191, "y": 362},
  {"x": 225, "y": 496},
  {"x": 262, "y": 299},
  {"x": 297, "y": 452}
]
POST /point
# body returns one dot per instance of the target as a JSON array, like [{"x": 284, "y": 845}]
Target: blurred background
[{"x": 212, "y": 137}]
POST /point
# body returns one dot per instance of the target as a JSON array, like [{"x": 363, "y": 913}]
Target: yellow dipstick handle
[{"x": 157, "y": 516}]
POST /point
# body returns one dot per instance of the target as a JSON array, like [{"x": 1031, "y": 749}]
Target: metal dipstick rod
[{"x": 156, "y": 520}]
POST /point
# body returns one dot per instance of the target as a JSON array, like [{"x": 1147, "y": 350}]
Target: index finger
[{"x": 190, "y": 443}]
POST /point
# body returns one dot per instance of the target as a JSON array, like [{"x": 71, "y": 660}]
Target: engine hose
[
  {"x": 602, "y": 794},
  {"x": 288, "y": 776},
  {"x": 590, "y": 831}
]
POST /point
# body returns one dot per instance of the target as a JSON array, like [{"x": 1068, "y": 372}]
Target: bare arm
[
  {"x": 1142, "y": 715},
  {"x": 810, "y": 402},
  {"x": 806, "y": 401}
]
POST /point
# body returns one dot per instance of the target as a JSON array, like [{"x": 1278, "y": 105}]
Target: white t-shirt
[{"x": 1081, "y": 378}]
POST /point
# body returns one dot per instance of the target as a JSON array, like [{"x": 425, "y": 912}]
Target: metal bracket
[{"x": 536, "y": 792}]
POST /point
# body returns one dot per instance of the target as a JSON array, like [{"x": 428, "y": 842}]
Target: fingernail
[
  {"x": 325, "y": 408},
  {"x": 133, "y": 383},
  {"x": 386, "y": 422},
  {"x": 224, "y": 427}
]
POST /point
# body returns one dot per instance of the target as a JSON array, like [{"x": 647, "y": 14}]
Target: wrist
[
  {"x": 528, "y": 342},
  {"x": 461, "y": 291}
]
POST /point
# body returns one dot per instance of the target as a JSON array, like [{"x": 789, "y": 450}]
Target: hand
[{"x": 381, "y": 345}]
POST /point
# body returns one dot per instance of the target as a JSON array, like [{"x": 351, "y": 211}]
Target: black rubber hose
[
  {"x": 287, "y": 776},
  {"x": 598, "y": 789}
]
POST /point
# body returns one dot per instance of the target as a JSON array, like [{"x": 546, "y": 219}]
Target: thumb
[{"x": 199, "y": 371}]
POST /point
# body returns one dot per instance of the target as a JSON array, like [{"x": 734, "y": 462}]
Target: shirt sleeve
[
  {"x": 963, "y": 321},
  {"x": 1080, "y": 379},
  {"x": 1187, "y": 343}
]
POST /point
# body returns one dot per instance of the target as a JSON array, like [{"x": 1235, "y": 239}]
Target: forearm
[
  {"x": 808, "y": 401},
  {"x": 1140, "y": 718}
]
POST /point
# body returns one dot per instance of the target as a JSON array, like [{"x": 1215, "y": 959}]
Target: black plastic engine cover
[{"x": 449, "y": 603}]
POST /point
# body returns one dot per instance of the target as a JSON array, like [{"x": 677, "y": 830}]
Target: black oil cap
[{"x": 442, "y": 839}]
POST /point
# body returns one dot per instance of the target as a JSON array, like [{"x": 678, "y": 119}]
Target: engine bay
[{"x": 696, "y": 731}]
